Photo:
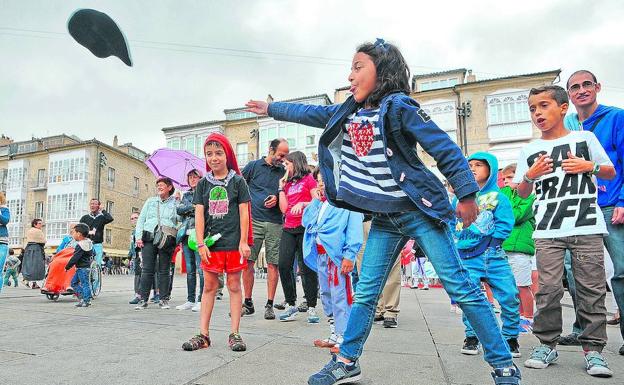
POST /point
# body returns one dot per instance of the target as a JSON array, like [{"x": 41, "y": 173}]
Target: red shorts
[{"x": 228, "y": 261}]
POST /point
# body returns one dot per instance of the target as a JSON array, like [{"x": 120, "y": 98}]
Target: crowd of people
[{"x": 346, "y": 226}]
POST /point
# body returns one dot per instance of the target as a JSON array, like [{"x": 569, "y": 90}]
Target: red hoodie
[{"x": 232, "y": 164}]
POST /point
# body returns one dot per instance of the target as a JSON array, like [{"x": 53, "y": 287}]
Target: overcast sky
[{"x": 50, "y": 85}]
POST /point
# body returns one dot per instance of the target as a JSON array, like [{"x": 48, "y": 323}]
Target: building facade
[{"x": 54, "y": 178}]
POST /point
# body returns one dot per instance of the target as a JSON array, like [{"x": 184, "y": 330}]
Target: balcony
[{"x": 39, "y": 185}]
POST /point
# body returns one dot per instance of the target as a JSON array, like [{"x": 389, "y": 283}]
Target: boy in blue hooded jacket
[{"x": 479, "y": 246}]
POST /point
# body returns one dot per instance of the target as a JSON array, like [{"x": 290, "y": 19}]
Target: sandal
[{"x": 197, "y": 342}]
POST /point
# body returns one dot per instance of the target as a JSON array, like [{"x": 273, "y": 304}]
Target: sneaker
[
  {"x": 268, "y": 312},
  {"x": 514, "y": 347},
  {"x": 199, "y": 341},
  {"x": 596, "y": 365},
  {"x": 141, "y": 305},
  {"x": 156, "y": 298},
  {"x": 390, "y": 323},
  {"x": 378, "y": 319},
  {"x": 289, "y": 314},
  {"x": 425, "y": 287},
  {"x": 134, "y": 300},
  {"x": 507, "y": 376},
  {"x": 471, "y": 346},
  {"x": 569, "y": 340},
  {"x": 80, "y": 303},
  {"x": 313, "y": 318},
  {"x": 235, "y": 342},
  {"x": 186, "y": 306},
  {"x": 247, "y": 310},
  {"x": 196, "y": 307},
  {"x": 336, "y": 372},
  {"x": 414, "y": 284},
  {"x": 541, "y": 357},
  {"x": 526, "y": 326},
  {"x": 281, "y": 306},
  {"x": 164, "y": 304},
  {"x": 303, "y": 307}
]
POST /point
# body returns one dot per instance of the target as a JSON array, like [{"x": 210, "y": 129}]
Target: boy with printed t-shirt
[{"x": 561, "y": 165}]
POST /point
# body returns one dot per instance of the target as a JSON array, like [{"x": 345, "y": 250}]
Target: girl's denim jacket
[{"x": 403, "y": 125}]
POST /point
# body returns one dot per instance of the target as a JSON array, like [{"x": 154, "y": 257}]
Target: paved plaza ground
[{"x": 46, "y": 342}]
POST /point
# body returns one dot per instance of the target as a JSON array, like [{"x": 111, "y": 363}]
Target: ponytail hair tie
[{"x": 381, "y": 43}]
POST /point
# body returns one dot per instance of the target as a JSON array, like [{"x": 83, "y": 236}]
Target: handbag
[{"x": 162, "y": 233}]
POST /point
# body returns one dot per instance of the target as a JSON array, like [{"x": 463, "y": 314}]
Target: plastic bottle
[{"x": 208, "y": 241}]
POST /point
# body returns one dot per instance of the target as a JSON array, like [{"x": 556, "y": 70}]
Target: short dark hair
[
  {"x": 300, "y": 165},
  {"x": 581, "y": 72},
  {"x": 213, "y": 143},
  {"x": 34, "y": 222},
  {"x": 168, "y": 182},
  {"x": 95, "y": 199},
  {"x": 556, "y": 92},
  {"x": 275, "y": 143},
  {"x": 192, "y": 172},
  {"x": 393, "y": 73},
  {"x": 82, "y": 228}
]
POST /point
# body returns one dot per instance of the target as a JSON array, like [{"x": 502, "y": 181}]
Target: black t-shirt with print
[{"x": 221, "y": 210}]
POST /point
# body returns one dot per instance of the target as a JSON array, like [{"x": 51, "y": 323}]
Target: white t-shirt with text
[{"x": 565, "y": 204}]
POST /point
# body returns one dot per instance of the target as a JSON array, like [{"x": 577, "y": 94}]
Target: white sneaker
[
  {"x": 196, "y": 307},
  {"x": 186, "y": 306},
  {"x": 313, "y": 318}
]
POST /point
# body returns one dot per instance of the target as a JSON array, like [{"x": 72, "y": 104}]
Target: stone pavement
[{"x": 44, "y": 342}]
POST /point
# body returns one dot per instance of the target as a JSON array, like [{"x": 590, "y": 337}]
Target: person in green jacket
[{"x": 520, "y": 247}]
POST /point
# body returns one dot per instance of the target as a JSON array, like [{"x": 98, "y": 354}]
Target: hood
[
  {"x": 491, "y": 184},
  {"x": 232, "y": 164},
  {"x": 86, "y": 244},
  {"x": 601, "y": 110}
]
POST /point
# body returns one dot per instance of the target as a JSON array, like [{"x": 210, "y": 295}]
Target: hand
[
  {"x": 298, "y": 208},
  {"x": 257, "y": 107},
  {"x": 542, "y": 166},
  {"x": 346, "y": 267},
  {"x": 316, "y": 193},
  {"x": 574, "y": 165},
  {"x": 467, "y": 210},
  {"x": 177, "y": 195},
  {"x": 282, "y": 183},
  {"x": 618, "y": 216},
  {"x": 139, "y": 243},
  {"x": 204, "y": 253},
  {"x": 244, "y": 250},
  {"x": 271, "y": 202}
]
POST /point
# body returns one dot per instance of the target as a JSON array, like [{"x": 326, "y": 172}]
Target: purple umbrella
[{"x": 175, "y": 164}]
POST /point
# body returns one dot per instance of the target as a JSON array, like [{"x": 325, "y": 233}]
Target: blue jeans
[
  {"x": 98, "y": 248},
  {"x": 80, "y": 283},
  {"x": 493, "y": 268},
  {"x": 4, "y": 252},
  {"x": 615, "y": 245},
  {"x": 388, "y": 235},
  {"x": 192, "y": 260}
]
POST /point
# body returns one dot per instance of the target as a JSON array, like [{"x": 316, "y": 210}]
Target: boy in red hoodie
[{"x": 221, "y": 207}]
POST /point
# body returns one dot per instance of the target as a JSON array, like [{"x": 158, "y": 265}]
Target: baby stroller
[{"x": 58, "y": 280}]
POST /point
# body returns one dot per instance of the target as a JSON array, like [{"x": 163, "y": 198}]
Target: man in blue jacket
[{"x": 607, "y": 123}]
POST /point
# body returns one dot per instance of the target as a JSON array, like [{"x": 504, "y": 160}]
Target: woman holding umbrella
[{"x": 156, "y": 235}]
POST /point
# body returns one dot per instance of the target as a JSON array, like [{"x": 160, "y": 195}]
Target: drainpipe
[{"x": 463, "y": 143}]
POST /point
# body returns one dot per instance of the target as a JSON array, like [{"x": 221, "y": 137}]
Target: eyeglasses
[{"x": 588, "y": 85}]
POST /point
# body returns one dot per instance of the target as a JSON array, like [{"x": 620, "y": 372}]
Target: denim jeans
[
  {"x": 388, "y": 235},
  {"x": 98, "y": 248},
  {"x": 80, "y": 283},
  {"x": 4, "y": 252},
  {"x": 493, "y": 268},
  {"x": 192, "y": 260},
  {"x": 615, "y": 245}
]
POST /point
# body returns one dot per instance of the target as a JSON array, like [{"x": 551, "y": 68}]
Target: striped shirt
[{"x": 365, "y": 178}]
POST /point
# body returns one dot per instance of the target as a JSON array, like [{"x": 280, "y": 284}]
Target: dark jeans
[
  {"x": 155, "y": 259},
  {"x": 290, "y": 246},
  {"x": 137, "y": 276}
]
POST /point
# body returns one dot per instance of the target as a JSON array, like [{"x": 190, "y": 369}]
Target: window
[
  {"x": 508, "y": 116},
  {"x": 41, "y": 177},
  {"x": 68, "y": 170},
  {"x": 136, "y": 185},
  {"x": 110, "y": 206},
  {"x": 15, "y": 178},
  {"x": 242, "y": 153},
  {"x": 111, "y": 175},
  {"x": 444, "y": 115},
  {"x": 310, "y": 140},
  {"x": 108, "y": 236},
  {"x": 15, "y": 225},
  {"x": 190, "y": 144},
  {"x": 173, "y": 143},
  {"x": 39, "y": 210},
  {"x": 437, "y": 83},
  {"x": 66, "y": 206}
]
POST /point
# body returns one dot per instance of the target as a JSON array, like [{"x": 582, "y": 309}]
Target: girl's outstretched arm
[{"x": 308, "y": 115}]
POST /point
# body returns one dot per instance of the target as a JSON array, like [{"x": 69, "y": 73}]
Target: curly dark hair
[{"x": 393, "y": 73}]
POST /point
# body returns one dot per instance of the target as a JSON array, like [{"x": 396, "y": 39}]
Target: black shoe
[
  {"x": 247, "y": 310},
  {"x": 514, "y": 347},
  {"x": 280, "y": 306},
  {"x": 471, "y": 346},
  {"x": 378, "y": 319},
  {"x": 303, "y": 308},
  {"x": 569, "y": 340},
  {"x": 390, "y": 323}
]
